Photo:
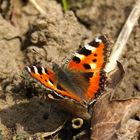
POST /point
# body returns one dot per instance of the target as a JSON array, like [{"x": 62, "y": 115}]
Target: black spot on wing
[
  {"x": 59, "y": 87},
  {"x": 94, "y": 44},
  {"x": 101, "y": 84},
  {"x": 87, "y": 66},
  {"x": 76, "y": 59},
  {"x": 39, "y": 70},
  {"x": 88, "y": 75},
  {"x": 102, "y": 79},
  {"x": 46, "y": 71},
  {"x": 103, "y": 38},
  {"x": 85, "y": 52},
  {"x": 32, "y": 69},
  {"x": 51, "y": 81},
  {"x": 102, "y": 74},
  {"x": 94, "y": 60},
  {"x": 98, "y": 93},
  {"x": 95, "y": 54}
]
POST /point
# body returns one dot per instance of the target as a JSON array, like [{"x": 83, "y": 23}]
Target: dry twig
[{"x": 123, "y": 37}]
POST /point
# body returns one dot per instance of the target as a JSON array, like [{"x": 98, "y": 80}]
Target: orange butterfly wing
[
  {"x": 91, "y": 60},
  {"x": 48, "y": 79}
]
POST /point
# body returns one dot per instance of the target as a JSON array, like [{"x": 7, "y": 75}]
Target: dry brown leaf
[{"x": 116, "y": 120}]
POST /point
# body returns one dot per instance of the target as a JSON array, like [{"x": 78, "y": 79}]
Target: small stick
[
  {"x": 123, "y": 37},
  {"x": 35, "y": 4}
]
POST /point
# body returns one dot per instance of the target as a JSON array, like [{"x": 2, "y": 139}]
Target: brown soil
[{"x": 54, "y": 37}]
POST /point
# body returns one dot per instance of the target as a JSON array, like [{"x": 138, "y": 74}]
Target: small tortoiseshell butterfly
[{"x": 82, "y": 80}]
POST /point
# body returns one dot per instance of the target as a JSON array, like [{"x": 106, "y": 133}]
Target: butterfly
[{"x": 81, "y": 80}]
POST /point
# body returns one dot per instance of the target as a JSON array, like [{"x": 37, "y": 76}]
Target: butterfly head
[{"x": 59, "y": 73}]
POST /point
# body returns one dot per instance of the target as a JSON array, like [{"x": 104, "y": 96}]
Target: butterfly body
[
  {"x": 65, "y": 78},
  {"x": 82, "y": 79}
]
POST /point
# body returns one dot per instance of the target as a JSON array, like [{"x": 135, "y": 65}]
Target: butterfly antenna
[
  {"x": 123, "y": 37},
  {"x": 37, "y": 53}
]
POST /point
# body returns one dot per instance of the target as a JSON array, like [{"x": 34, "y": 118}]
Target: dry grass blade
[
  {"x": 123, "y": 37},
  {"x": 37, "y": 6}
]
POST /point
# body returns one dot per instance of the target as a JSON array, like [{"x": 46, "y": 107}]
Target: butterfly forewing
[
  {"x": 48, "y": 79},
  {"x": 90, "y": 60}
]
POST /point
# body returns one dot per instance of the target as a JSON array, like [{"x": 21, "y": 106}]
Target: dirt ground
[{"x": 28, "y": 37}]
